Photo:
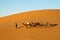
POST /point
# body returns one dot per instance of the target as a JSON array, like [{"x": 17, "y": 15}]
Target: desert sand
[{"x": 8, "y": 30}]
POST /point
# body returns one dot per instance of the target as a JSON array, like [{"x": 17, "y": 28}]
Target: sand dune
[{"x": 9, "y": 31}]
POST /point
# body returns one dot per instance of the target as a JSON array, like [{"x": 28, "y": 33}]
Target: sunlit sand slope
[{"x": 8, "y": 30}]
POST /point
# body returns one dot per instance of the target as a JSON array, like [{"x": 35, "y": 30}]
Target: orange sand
[{"x": 8, "y": 31}]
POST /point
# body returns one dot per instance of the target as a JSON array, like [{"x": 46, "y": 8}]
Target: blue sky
[{"x": 9, "y": 7}]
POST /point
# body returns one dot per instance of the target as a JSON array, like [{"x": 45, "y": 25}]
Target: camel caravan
[{"x": 36, "y": 24}]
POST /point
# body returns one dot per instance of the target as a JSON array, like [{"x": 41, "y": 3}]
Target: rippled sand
[{"x": 8, "y": 31}]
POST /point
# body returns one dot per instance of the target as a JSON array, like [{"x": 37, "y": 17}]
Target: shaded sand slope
[{"x": 8, "y": 31}]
